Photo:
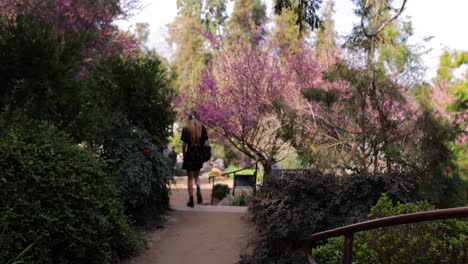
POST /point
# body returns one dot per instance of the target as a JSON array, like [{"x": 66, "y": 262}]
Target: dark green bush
[
  {"x": 142, "y": 172},
  {"x": 296, "y": 205},
  {"x": 274, "y": 251},
  {"x": 220, "y": 191},
  {"x": 126, "y": 113},
  {"x": 58, "y": 195},
  {"x": 425, "y": 242},
  {"x": 242, "y": 200},
  {"x": 179, "y": 172},
  {"x": 291, "y": 206},
  {"x": 136, "y": 89},
  {"x": 38, "y": 72}
]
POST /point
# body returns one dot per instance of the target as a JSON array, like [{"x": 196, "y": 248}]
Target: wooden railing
[{"x": 348, "y": 231}]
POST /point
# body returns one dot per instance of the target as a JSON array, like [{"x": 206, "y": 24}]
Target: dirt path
[
  {"x": 197, "y": 238},
  {"x": 202, "y": 235}
]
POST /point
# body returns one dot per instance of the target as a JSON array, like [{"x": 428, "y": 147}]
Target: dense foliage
[
  {"x": 220, "y": 191},
  {"x": 68, "y": 70},
  {"x": 242, "y": 200},
  {"x": 312, "y": 202},
  {"x": 92, "y": 21},
  {"x": 269, "y": 251},
  {"x": 143, "y": 174},
  {"x": 58, "y": 196},
  {"x": 349, "y": 124},
  {"x": 450, "y": 100},
  {"x": 435, "y": 159},
  {"x": 306, "y": 12},
  {"x": 77, "y": 198},
  {"x": 125, "y": 118},
  {"x": 290, "y": 208},
  {"x": 441, "y": 241},
  {"x": 38, "y": 77},
  {"x": 136, "y": 89}
]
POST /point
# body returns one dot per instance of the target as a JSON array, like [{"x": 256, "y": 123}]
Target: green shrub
[
  {"x": 301, "y": 203},
  {"x": 179, "y": 172},
  {"x": 274, "y": 251},
  {"x": 20, "y": 257},
  {"x": 330, "y": 252},
  {"x": 220, "y": 191},
  {"x": 143, "y": 173},
  {"x": 242, "y": 200},
  {"x": 425, "y": 242},
  {"x": 289, "y": 208},
  {"x": 125, "y": 116},
  {"x": 38, "y": 72},
  {"x": 58, "y": 195},
  {"x": 136, "y": 89}
]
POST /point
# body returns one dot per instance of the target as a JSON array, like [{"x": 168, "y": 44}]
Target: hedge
[
  {"x": 59, "y": 197},
  {"x": 293, "y": 205}
]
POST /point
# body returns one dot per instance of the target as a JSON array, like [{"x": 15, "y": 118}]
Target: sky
[{"x": 443, "y": 20}]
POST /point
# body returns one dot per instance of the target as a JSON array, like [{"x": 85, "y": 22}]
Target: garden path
[{"x": 202, "y": 235}]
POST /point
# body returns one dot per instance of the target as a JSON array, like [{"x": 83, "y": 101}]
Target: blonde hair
[{"x": 195, "y": 128}]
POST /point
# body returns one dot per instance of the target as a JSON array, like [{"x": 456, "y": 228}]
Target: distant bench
[{"x": 245, "y": 180}]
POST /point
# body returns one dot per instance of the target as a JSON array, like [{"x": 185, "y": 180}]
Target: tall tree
[
  {"x": 306, "y": 12},
  {"x": 247, "y": 23},
  {"x": 450, "y": 100},
  {"x": 325, "y": 45},
  {"x": 362, "y": 116},
  {"x": 142, "y": 32},
  {"x": 382, "y": 38},
  {"x": 285, "y": 32},
  {"x": 329, "y": 126},
  {"x": 185, "y": 35},
  {"x": 215, "y": 16}
]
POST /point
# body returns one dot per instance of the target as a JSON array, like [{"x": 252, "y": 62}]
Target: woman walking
[{"x": 194, "y": 136}]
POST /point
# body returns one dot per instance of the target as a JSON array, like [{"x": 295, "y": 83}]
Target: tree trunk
[{"x": 266, "y": 169}]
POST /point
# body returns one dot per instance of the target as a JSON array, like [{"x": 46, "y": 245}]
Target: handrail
[
  {"x": 349, "y": 230},
  {"x": 227, "y": 173},
  {"x": 210, "y": 178}
]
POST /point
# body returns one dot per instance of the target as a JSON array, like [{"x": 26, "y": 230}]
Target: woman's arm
[
  {"x": 184, "y": 138},
  {"x": 184, "y": 149},
  {"x": 204, "y": 135}
]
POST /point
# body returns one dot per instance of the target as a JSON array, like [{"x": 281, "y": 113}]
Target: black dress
[{"x": 193, "y": 160}]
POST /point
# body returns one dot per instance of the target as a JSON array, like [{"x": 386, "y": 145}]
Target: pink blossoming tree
[
  {"x": 450, "y": 93},
  {"x": 91, "y": 19},
  {"x": 236, "y": 99},
  {"x": 263, "y": 104},
  {"x": 340, "y": 123}
]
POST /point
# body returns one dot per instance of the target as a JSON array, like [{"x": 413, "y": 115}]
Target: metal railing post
[
  {"x": 308, "y": 253},
  {"x": 348, "y": 249}
]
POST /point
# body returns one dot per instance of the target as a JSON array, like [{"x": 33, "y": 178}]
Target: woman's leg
[
  {"x": 190, "y": 175},
  {"x": 190, "y": 182},
  {"x": 196, "y": 175}
]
